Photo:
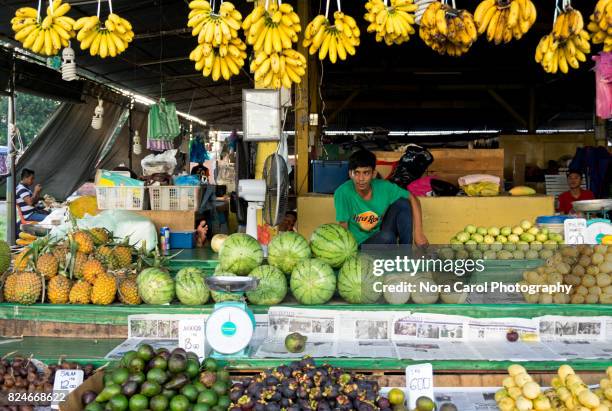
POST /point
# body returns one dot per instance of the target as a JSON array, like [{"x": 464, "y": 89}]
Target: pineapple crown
[{"x": 153, "y": 258}]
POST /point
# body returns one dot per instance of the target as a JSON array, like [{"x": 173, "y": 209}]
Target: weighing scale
[
  {"x": 231, "y": 325},
  {"x": 597, "y": 228}
]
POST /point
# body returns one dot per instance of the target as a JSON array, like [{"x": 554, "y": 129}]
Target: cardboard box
[{"x": 73, "y": 402}]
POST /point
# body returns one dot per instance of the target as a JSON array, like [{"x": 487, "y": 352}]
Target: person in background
[
  {"x": 26, "y": 198},
  {"x": 288, "y": 223},
  {"x": 575, "y": 192},
  {"x": 201, "y": 233},
  {"x": 200, "y": 170}
]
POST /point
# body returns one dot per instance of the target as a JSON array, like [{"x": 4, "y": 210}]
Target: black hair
[
  {"x": 26, "y": 172},
  {"x": 291, "y": 212},
  {"x": 574, "y": 172},
  {"x": 362, "y": 158}
]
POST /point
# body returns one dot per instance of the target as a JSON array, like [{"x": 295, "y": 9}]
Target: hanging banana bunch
[
  {"x": 47, "y": 37},
  {"x": 220, "y": 52},
  {"x": 391, "y": 23},
  {"x": 272, "y": 29},
  {"x": 448, "y": 30},
  {"x": 334, "y": 40},
  {"x": 601, "y": 24},
  {"x": 568, "y": 44},
  {"x": 503, "y": 20},
  {"x": 107, "y": 38}
]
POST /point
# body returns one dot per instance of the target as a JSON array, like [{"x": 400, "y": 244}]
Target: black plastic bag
[
  {"x": 411, "y": 166},
  {"x": 443, "y": 189}
]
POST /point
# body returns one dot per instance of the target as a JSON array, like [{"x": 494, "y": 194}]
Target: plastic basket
[
  {"x": 174, "y": 198},
  {"x": 120, "y": 198}
]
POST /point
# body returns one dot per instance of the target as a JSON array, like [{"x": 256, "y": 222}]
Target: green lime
[
  {"x": 94, "y": 406},
  {"x": 190, "y": 392},
  {"x": 424, "y": 403},
  {"x": 179, "y": 403},
  {"x": 201, "y": 407},
  {"x": 139, "y": 402},
  {"x": 120, "y": 375},
  {"x": 137, "y": 365},
  {"x": 224, "y": 402},
  {"x": 396, "y": 396},
  {"x": 118, "y": 403},
  {"x": 220, "y": 387},
  {"x": 199, "y": 386},
  {"x": 208, "y": 397},
  {"x": 146, "y": 352},
  {"x": 159, "y": 403},
  {"x": 192, "y": 368},
  {"x": 127, "y": 358},
  {"x": 168, "y": 393},
  {"x": 223, "y": 375},
  {"x": 137, "y": 377},
  {"x": 157, "y": 375},
  {"x": 150, "y": 388},
  {"x": 218, "y": 408},
  {"x": 210, "y": 364}
]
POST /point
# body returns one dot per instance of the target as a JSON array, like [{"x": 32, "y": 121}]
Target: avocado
[
  {"x": 178, "y": 382},
  {"x": 150, "y": 388},
  {"x": 177, "y": 364}
]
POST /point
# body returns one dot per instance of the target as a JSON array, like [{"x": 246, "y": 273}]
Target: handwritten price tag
[
  {"x": 574, "y": 230},
  {"x": 419, "y": 381},
  {"x": 65, "y": 381},
  {"x": 191, "y": 336}
]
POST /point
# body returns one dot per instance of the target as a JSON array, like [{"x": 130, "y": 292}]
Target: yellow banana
[
  {"x": 25, "y": 32},
  {"x": 39, "y": 42},
  {"x": 95, "y": 45}
]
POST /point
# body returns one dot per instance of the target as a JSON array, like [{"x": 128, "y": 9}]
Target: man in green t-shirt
[{"x": 376, "y": 211}]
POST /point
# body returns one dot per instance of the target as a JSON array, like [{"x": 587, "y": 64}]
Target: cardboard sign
[
  {"x": 191, "y": 336},
  {"x": 419, "y": 382},
  {"x": 65, "y": 382},
  {"x": 574, "y": 229}
]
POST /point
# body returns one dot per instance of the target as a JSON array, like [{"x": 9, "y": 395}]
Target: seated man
[
  {"x": 288, "y": 223},
  {"x": 575, "y": 192},
  {"x": 376, "y": 211},
  {"x": 26, "y": 199}
]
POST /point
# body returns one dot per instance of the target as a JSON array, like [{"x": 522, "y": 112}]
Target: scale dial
[{"x": 229, "y": 330}]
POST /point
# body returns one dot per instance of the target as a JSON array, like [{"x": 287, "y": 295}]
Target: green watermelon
[
  {"x": 240, "y": 254},
  {"x": 190, "y": 286},
  {"x": 356, "y": 281},
  {"x": 155, "y": 286},
  {"x": 333, "y": 244},
  {"x": 286, "y": 249},
  {"x": 313, "y": 282},
  {"x": 272, "y": 287},
  {"x": 220, "y": 296}
]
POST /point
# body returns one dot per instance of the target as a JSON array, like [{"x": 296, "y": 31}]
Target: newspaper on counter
[{"x": 577, "y": 337}]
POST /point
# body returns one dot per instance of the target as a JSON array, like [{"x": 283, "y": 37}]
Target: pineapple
[
  {"x": 60, "y": 251},
  {"x": 80, "y": 293},
  {"x": 100, "y": 236},
  {"x": 128, "y": 292},
  {"x": 92, "y": 268},
  {"x": 9, "y": 288},
  {"x": 79, "y": 264},
  {"x": 58, "y": 289},
  {"x": 84, "y": 241},
  {"x": 27, "y": 288},
  {"x": 22, "y": 260},
  {"x": 104, "y": 289},
  {"x": 47, "y": 265},
  {"x": 123, "y": 256},
  {"x": 106, "y": 256}
]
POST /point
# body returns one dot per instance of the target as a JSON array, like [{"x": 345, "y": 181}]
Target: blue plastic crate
[
  {"x": 327, "y": 176},
  {"x": 181, "y": 239}
]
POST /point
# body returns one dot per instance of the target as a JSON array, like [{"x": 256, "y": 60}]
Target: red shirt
[{"x": 566, "y": 199}]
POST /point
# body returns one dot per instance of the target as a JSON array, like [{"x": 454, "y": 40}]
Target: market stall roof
[{"x": 406, "y": 87}]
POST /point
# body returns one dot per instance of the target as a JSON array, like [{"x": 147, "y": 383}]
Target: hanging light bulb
[
  {"x": 136, "y": 147},
  {"x": 69, "y": 71},
  {"x": 96, "y": 121}
]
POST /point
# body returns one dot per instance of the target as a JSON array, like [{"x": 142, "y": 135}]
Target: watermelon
[
  {"x": 313, "y": 282},
  {"x": 220, "y": 296},
  {"x": 190, "y": 286},
  {"x": 240, "y": 254},
  {"x": 286, "y": 249},
  {"x": 272, "y": 287},
  {"x": 356, "y": 281},
  {"x": 333, "y": 244},
  {"x": 155, "y": 286}
]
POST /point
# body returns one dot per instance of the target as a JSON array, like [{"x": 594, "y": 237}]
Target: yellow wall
[
  {"x": 539, "y": 149},
  {"x": 443, "y": 217}
]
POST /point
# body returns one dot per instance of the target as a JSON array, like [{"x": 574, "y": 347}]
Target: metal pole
[
  {"x": 130, "y": 137},
  {"x": 10, "y": 181}
]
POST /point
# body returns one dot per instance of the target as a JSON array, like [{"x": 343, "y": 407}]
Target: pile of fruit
[
  {"x": 524, "y": 241},
  {"x": 448, "y": 30},
  {"x": 600, "y": 24},
  {"x": 393, "y": 22},
  {"x": 588, "y": 269},
  {"x": 504, "y": 20},
  {"x": 336, "y": 40},
  {"x": 568, "y": 391},
  {"x": 160, "y": 380},
  {"x": 301, "y": 385},
  {"x": 21, "y": 375}
]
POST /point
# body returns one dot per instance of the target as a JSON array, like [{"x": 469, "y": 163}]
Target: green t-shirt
[{"x": 365, "y": 217}]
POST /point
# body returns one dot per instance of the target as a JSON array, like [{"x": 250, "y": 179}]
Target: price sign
[
  {"x": 65, "y": 382},
  {"x": 191, "y": 336},
  {"x": 419, "y": 381},
  {"x": 574, "y": 229}
]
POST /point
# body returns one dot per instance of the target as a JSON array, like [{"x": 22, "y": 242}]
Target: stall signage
[
  {"x": 419, "y": 382},
  {"x": 191, "y": 336},
  {"x": 574, "y": 230},
  {"x": 65, "y": 382}
]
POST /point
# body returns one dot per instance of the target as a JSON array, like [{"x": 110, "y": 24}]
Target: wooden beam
[
  {"x": 505, "y": 105},
  {"x": 343, "y": 105},
  {"x": 379, "y": 105},
  {"x": 302, "y": 111}
]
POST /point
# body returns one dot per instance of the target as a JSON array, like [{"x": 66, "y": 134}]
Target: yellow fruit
[
  {"x": 47, "y": 265},
  {"x": 522, "y": 191},
  {"x": 58, "y": 290},
  {"x": 100, "y": 235},
  {"x": 123, "y": 256},
  {"x": 84, "y": 241},
  {"x": 104, "y": 289},
  {"x": 516, "y": 369},
  {"x": 27, "y": 288},
  {"x": 396, "y": 396},
  {"x": 80, "y": 293},
  {"x": 9, "y": 288},
  {"x": 106, "y": 256},
  {"x": 128, "y": 292},
  {"x": 92, "y": 269},
  {"x": 22, "y": 260}
]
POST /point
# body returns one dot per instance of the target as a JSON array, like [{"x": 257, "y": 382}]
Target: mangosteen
[
  {"x": 304, "y": 405},
  {"x": 315, "y": 394},
  {"x": 276, "y": 396},
  {"x": 272, "y": 406},
  {"x": 383, "y": 403},
  {"x": 259, "y": 406},
  {"x": 288, "y": 392},
  {"x": 208, "y": 378},
  {"x": 246, "y": 382},
  {"x": 323, "y": 406},
  {"x": 271, "y": 381},
  {"x": 302, "y": 392},
  {"x": 235, "y": 395},
  {"x": 364, "y": 406},
  {"x": 248, "y": 405},
  {"x": 235, "y": 409},
  {"x": 293, "y": 407},
  {"x": 512, "y": 336},
  {"x": 284, "y": 402}
]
